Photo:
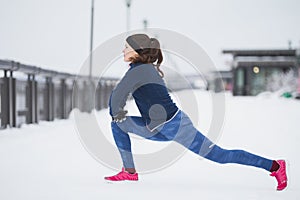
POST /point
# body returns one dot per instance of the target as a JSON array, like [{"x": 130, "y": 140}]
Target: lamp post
[
  {"x": 145, "y": 22},
  {"x": 91, "y": 39},
  {"x": 128, "y": 4}
]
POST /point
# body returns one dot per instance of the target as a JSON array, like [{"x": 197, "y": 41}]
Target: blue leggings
[{"x": 181, "y": 130}]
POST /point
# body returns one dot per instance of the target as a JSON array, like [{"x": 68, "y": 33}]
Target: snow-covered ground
[{"x": 48, "y": 161}]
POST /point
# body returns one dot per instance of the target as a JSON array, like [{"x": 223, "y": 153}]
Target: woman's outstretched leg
[
  {"x": 195, "y": 141},
  {"x": 202, "y": 146},
  {"x": 220, "y": 155},
  {"x": 205, "y": 148}
]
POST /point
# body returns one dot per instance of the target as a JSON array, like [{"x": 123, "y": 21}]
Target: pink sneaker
[
  {"x": 280, "y": 175},
  {"x": 123, "y": 176}
]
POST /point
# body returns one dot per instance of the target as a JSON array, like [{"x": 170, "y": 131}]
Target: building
[{"x": 253, "y": 70}]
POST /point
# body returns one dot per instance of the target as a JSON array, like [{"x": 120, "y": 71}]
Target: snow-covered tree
[{"x": 284, "y": 81}]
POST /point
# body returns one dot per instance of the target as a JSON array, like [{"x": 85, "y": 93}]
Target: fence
[{"x": 30, "y": 94}]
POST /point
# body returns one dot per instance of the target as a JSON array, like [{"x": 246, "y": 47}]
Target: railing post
[
  {"x": 49, "y": 100},
  {"x": 4, "y": 101},
  {"x": 98, "y": 96},
  {"x": 92, "y": 94},
  {"x": 8, "y": 101},
  {"x": 28, "y": 101},
  {"x": 74, "y": 95},
  {"x": 108, "y": 87},
  {"x": 106, "y": 93},
  {"x": 31, "y": 100},
  {"x": 12, "y": 100},
  {"x": 84, "y": 101},
  {"x": 63, "y": 96},
  {"x": 87, "y": 96},
  {"x": 102, "y": 88},
  {"x": 35, "y": 99}
]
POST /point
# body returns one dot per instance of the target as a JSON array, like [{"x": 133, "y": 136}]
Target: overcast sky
[{"x": 56, "y": 33}]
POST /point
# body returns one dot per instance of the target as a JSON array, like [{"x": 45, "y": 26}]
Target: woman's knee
[
  {"x": 114, "y": 126},
  {"x": 120, "y": 126},
  {"x": 116, "y": 129}
]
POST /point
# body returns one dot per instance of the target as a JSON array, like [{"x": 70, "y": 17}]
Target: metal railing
[{"x": 30, "y": 94}]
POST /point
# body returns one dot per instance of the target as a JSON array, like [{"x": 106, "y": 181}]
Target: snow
[{"x": 48, "y": 160}]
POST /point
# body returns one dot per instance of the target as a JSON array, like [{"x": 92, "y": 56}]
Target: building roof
[
  {"x": 282, "y": 64},
  {"x": 266, "y": 52}
]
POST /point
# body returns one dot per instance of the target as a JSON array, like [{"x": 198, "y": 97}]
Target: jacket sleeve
[{"x": 121, "y": 92}]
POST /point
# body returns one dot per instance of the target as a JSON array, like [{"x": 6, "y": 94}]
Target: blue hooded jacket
[{"x": 149, "y": 92}]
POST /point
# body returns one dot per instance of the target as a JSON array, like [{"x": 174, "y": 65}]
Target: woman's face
[{"x": 129, "y": 53}]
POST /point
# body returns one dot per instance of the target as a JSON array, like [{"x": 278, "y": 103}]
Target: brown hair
[{"x": 148, "y": 50}]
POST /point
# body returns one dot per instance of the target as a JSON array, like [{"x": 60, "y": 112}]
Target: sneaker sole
[{"x": 121, "y": 182}]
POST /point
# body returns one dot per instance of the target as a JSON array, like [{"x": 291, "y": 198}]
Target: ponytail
[
  {"x": 157, "y": 54},
  {"x": 159, "y": 61}
]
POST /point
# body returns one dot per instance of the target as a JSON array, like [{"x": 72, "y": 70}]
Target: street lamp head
[{"x": 128, "y": 3}]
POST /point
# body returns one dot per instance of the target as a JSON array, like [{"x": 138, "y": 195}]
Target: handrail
[
  {"x": 54, "y": 98},
  {"x": 10, "y": 65}
]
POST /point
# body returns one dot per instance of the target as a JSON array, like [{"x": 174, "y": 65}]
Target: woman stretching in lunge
[{"x": 161, "y": 120}]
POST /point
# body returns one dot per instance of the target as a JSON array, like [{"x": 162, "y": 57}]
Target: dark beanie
[{"x": 139, "y": 42}]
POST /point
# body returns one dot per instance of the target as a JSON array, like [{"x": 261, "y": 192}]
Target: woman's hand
[{"x": 120, "y": 117}]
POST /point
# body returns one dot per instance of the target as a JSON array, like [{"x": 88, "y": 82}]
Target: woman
[{"x": 161, "y": 120}]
